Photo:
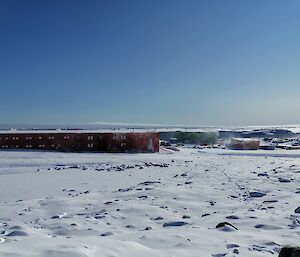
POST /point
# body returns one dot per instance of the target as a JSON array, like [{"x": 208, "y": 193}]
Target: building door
[
  {"x": 67, "y": 145},
  {"x": 78, "y": 143},
  {"x": 150, "y": 145}
]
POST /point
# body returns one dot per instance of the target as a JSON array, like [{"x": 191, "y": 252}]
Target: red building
[{"x": 81, "y": 141}]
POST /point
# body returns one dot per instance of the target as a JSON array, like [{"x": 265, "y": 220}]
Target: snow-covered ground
[{"x": 166, "y": 204}]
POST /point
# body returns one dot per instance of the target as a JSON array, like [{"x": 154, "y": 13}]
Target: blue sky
[{"x": 160, "y": 61}]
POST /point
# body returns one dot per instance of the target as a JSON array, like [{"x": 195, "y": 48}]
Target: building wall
[
  {"x": 240, "y": 144},
  {"x": 82, "y": 142}
]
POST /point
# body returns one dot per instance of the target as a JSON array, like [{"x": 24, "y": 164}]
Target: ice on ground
[{"x": 185, "y": 203}]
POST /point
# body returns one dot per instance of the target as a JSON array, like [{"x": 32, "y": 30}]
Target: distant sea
[{"x": 122, "y": 126}]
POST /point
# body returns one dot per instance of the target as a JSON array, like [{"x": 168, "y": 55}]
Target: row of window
[
  {"x": 30, "y": 138},
  {"x": 51, "y": 137},
  {"x": 42, "y": 146},
  {"x": 115, "y": 137},
  {"x": 90, "y": 145}
]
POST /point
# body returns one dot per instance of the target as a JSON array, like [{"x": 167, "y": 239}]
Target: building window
[
  {"x": 66, "y": 137},
  {"x": 90, "y": 145},
  {"x": 123, "y": 144},
  {"x": 28, "y": 138},
  {"x": 51, "y": 137},
  {"x": 52, "y": 145},
  {"x": 17, "y": 138},
  {"x": 6, "y": 138},
  {"x": 40, "y": 137},
  {"x": 100, "y": 137},
  {"x": 90, "y": 137}
]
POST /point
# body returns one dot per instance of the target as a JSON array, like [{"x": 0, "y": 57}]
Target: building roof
[{"x": 71, "y": 131}]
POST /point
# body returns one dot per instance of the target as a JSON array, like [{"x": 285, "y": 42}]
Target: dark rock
[
  {"x": 107, "y": 234},
  {"x": 17, "y": 233},
  {"x": 124, "y": 189},
  {"x": 289, "y": 251},
  {"x": 147, "y": 183},
  {"x": 257, "y": 194},
  {"x": 284, "y": 180},
  {"x": 143, "y": 197},
  {"x": 230, "y": 246},
  {"x": 224, "y": 224},
  {"x": 175, "y": 224},
  {"x": 148, "y": 228},
  {"x": 267, "y": 227},
  {"x": 297, "y": 210},
  {"x": 264, "y": 174},
  {"x": 236, "y": 251},
  {"x": 99, "y": 217},
  {"x": 270, "y": 201},
  {"x": 232, "y": 217}
]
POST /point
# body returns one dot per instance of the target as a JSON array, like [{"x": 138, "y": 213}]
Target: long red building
[{"x": 81, "y": 141}]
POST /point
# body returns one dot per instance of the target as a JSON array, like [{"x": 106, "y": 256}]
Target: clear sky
[{"x": 151, "y": 61}]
